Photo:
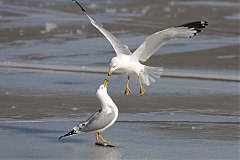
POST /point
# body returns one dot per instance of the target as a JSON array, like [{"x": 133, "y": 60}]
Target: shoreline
[
  {"x": 37, "y": 107},
  {"x": 170, "y": 73}
]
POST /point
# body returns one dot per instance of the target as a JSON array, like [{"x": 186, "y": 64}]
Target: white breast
[{"x": 115, "y": 111}]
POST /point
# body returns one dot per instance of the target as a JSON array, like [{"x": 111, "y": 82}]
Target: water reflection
[
  {"x": 95, "y": 152},
  {"x": 106, "y": 153}
]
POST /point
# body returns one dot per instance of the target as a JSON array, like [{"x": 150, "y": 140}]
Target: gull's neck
[{"x": 106, "y": 100}]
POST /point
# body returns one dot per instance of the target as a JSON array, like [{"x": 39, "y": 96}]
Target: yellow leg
[
  {"x": 97, "y": 134},
  {"x": 127, "y": 91},
  {"x": 103, "y": 140},
  {"x": 142, "y": 90}
]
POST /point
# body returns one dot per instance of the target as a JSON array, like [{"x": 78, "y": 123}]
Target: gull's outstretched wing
[
  {"x": 117, "y": 45},
  {"x": 152, "y": 43}
]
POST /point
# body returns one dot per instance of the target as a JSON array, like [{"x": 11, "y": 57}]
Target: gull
[
  {"x": 100, "y": 120},
  {"x": 132, "y": 63}
]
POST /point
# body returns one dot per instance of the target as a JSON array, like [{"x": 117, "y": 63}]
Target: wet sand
[
  {"x": 178, "y": 118},
  {"x": 186, "y": 122},
  {"x": 226, "y": 58},
  {"x": 37, "y": 107},
  {"x": 142, "y": 140}
]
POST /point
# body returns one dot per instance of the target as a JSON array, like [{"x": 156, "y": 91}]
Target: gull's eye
[{"x": 101, "y": 87}]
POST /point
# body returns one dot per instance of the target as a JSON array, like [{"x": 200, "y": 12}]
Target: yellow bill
[
  {"x": 110, "y": 73},
  {"x": 105, "y": 82}
]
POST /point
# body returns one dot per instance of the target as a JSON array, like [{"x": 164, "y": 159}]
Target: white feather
[
  {"x": 153, "y": 42},
  {"x": 117, "y": 45}
]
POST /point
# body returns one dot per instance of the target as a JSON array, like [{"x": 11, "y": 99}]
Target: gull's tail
[{"x": 150, "y": 74}]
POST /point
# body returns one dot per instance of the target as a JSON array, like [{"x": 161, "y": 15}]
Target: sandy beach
[
  {"x": 186, "y": 122},
  {"x": 144, "y": 140},
  {"x": 45, "y": 91}
]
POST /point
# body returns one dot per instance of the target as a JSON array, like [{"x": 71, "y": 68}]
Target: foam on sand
[{"x": 49, "y": 27}]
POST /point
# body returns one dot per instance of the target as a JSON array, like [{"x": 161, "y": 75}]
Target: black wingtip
[
  {"x": 79, "y": 5},
  {"x": 205, "y": 23},
  {"x": 71, "y": 133},
  {"x": 198, "y": 26},
  {"x": 60, "y": 138}
]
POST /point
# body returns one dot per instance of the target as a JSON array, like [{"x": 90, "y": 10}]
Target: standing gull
[
  {"x": 129, "y": 62},
  {"x": 101, "y": 120}
]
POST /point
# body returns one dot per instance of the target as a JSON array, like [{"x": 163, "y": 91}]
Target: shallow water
[
  {"x": 68, "y": 83},
  {"x": 151, "y": 140},
  {"x": 57, "y": 33}
]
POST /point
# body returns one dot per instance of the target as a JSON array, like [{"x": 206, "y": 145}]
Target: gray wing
[
  {"x": 117, "y": 45},
  {"x": 97, "y": 121},
  {"x": 153, "y": 42}
]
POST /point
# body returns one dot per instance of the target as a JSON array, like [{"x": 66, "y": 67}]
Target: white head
[
  {"x": 114, "y": 64},
  {"x": 102, "y": 90}
]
